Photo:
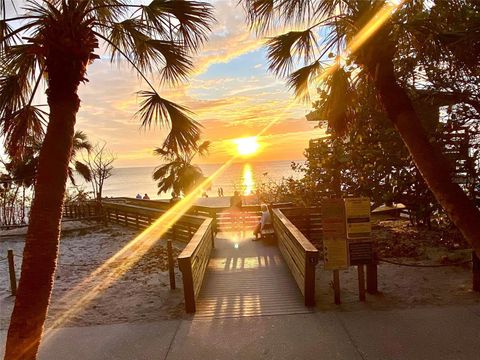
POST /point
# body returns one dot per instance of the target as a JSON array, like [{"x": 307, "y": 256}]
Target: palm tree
[
  {"x": 178, "y": 173},
  {"x": 53, "y": 42},
  {"x": 80, "y": 142},
  {"x": 445, "y": 35}
]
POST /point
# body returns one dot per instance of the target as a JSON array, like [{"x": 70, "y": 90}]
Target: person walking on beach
[
  {"x": 264, "y": 223},
  {"x": 221, "y": 192},
  {"x": 146, "y": 197},
  {"x": 235, "y": 208}
]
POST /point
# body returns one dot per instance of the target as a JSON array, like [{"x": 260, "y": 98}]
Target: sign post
[
  {"x": 335, "y": 250},
  {"x": 359, "y": 231}
]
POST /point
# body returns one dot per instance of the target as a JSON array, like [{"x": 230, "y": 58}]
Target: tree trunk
[
  {"x": 42, "y": 241},
  {"x": 428, "y": 157}
]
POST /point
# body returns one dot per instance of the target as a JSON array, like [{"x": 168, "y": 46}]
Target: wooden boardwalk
[{"x": 247, "y": 278}]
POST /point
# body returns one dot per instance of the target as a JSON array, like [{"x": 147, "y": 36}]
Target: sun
[{"x": 247, "y": 145}]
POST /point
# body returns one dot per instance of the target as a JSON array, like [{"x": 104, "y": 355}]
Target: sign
[
  {"x": 360, "y": 253},
  {"x": 359, "y": 231},
  {"x": 335, "y": 252},
  {"x": 357, "y": 212}
]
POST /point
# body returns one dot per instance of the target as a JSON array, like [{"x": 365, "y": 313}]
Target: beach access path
[{"x": 446, "y": 332}]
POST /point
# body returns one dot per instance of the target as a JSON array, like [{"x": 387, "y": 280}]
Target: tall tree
[
  {"x": 54, "y": 42},
  {"x": 372, "y": 35},
  {"x": 99, "y": 162}
]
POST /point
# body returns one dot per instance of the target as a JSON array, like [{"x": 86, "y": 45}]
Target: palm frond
[
  {"x": 259, "y": 14},
  {"x": 165, "y": 153},
  {"x": 337, "y": 106},
  {"x": 14, "y": 91},
  {"x": 22, "y": 128},
  {"x": 184, "y": 132},
  {"x": 191, "y": 20},
  {"x": 204, "y": 147},
  {"x": 83, "y": 170},
  {"x": 176, "y": 63},
  {"x": 70, "y": 176},
  {"x": 107, "y": 11},
  {"x": 283, "y": 48},
  {"x": 300, "y": 79},
  {"x": 80, "y": 142},
  {"x": 297, "y": 11}
]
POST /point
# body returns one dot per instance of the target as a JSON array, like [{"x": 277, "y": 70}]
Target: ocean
[{"x": 243, "y": 177}]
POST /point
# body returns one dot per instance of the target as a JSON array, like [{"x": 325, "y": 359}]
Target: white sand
[{"x": 141, "y": 293}]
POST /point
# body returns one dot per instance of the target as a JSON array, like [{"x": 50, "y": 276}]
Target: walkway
[
  {"x": 247, "y": 278},
  {"x": 447, "y": 332}
]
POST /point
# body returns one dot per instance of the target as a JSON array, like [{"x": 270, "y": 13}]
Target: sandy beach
[{"x": 143, "y": 294}]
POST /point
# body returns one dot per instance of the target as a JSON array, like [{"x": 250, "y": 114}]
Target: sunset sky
[{"x": 231, "y": 93}]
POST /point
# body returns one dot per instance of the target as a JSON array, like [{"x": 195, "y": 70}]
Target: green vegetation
[{"x": 408, "y": 57}]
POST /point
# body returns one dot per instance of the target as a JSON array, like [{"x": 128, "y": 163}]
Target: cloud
[
  {"x": 258, "y": 66},
  {"x": 230, "y": 37}
]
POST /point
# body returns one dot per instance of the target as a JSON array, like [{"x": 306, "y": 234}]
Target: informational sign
[
  {"x": 359, "y": 231},
  {"x": 357, "y": 212},
  {"x": 360, "y": 253},
  {"x": 334, "y": 236}
]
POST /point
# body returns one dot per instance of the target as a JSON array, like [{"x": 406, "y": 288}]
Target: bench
[{"x": 268, "y": 232}]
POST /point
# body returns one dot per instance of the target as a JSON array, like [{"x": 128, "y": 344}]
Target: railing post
[
  {"x": 213, "y": 215},
  {"x": 336, "y": 286},
  {"x": 476, "y": 271},
  {"x": 171, "y": 264},
  {"x": 372, "y": 276},
  {"x": 311, "y": 260},
  {"x": 11, "y": 270},
  {"x": 185, "y": 266},
  {"x": 361, "y": 283}
]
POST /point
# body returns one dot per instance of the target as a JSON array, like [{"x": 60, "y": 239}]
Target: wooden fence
[
  {"x": 193, "y": 262},
  {"x": 223, "y": 218},
  {"x": 299, "y": 254},
  {"x": 82, "y": 210},
  {"x": 307, "y": 220}
]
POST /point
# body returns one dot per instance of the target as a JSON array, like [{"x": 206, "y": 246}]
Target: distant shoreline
[{"x": 214, "y": 164}]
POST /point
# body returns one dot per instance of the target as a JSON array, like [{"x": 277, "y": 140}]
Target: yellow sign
[
  {"x": 335, "y": 254},
  {"x": 358, "y": 218},
  {"x": 357, "y": 207}
]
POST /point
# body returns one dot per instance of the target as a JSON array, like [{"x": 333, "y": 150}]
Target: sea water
[{"x": 243, "y": 176}]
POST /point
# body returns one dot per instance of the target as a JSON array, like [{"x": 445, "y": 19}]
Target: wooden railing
[
  {"x": 223, "y": 219},
  {"x": 307, "y": 220},
  {"x": 82, "y": 210},
  {"x": 193, "y": 262},
  {"x": 299, "y": 254},
  {"x": 142, "y": 217}
]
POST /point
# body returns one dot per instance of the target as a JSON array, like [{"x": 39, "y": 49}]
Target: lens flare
[{"x": 247, "y": 145}]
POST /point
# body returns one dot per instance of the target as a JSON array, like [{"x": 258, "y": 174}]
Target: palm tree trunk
[
  {"x": 42, "y": 240},
  {"x": 429, "y": 159}
]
